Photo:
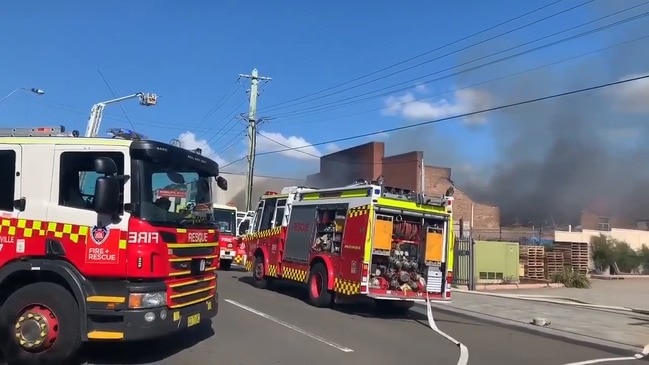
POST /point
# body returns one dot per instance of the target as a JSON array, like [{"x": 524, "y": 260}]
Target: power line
[
  {"x": 115, "y": 96},
  {"x": 219, "y": 104},
  {"x": 346, "y": 101},
  {"x": 224, "y": 120},
  {"x": 464, "y": 115},
  {"x": 218, "y": 135},
  {"x": 478, "y": 83},
  {"x": 333, "y": 160},
  {"x": 417, "y": 56}
]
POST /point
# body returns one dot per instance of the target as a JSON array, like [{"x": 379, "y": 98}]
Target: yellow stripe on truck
[
  {"x": 105, "y": 335},
  {"x": 367, "y": 255},
  {"x": 450, "y": 247},
  {"x": 351, "y": 193},
  {"x": 105, "y": 299},
  {"x": 412, "y": 206}
]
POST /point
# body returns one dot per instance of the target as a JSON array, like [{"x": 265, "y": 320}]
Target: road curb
[{"x": 557, "y": 334}]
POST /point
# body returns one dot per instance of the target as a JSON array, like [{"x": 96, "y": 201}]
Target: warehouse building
[{"x": 368, "y": 161}]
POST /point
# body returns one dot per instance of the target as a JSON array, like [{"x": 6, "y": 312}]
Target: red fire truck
[
  {"x": 231, "y": 251},
  {"x": 87, "y": 252},
  {"x": 365, "y": 239}
]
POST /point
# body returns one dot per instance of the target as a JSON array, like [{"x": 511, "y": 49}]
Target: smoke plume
[{"x": 555, "y": 158}]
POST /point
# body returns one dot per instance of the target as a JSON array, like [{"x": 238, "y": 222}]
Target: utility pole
[{"x": 252, "y": 131}]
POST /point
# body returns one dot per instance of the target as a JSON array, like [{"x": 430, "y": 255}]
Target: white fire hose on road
[
  {"x": 464, "y": 351},
  {"x": 643, "y": 355},
  {"x": 639, "y": 356}
]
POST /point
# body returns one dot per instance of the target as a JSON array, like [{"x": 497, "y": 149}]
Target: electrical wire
[
  {"x": 219, "y": 135},
  {"x": 368, "y": 95},
  {"x": 418, "y": 56},
  {"x": 463, "y": 115},
  {"x": 340, "y": 161},
  {"x": 115, "y": 96},
  {"x": 471, "y": 86},
  {"x": 219, "y": 104}
]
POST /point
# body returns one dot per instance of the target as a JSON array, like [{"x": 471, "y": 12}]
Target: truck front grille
[
  {"x": 192, "y": 268},
  {"x": 188, "y": 291}
]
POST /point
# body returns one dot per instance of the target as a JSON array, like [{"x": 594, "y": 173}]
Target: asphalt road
[{"x": 264, "y": 327}]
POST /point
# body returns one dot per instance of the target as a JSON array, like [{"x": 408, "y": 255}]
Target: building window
[{"x": 604, "y": 223}]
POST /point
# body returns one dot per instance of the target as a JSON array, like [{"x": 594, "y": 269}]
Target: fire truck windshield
[
  {"x": 225, "y": 219},
  {"x": 171, "y": 186},
  {"x": 174, "y": 196}
]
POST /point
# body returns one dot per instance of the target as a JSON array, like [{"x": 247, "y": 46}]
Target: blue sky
[{"x": 190, "y": 53}]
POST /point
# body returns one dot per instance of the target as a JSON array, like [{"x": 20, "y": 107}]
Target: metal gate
[{"x": 462, "y": 260}]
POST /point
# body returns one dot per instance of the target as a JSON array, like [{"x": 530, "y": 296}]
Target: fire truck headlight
[{"x": 147, "y": 300}]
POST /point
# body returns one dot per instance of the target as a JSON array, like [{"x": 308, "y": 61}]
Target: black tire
[
  {"x": 62, "y": 304},
  {"x": 259, "y": 278},
  {"x": 319, "y": 296},
  {"x": 393, "y": 307},
  {"x": 225, "y": 264}
]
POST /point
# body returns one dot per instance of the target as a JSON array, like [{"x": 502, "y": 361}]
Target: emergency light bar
[
  {"x": 128, "y": 134},
  {"x": 56, "y": 131}
]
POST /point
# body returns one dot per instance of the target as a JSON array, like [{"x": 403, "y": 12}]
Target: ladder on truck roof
[{"x": 57, "y": 131}]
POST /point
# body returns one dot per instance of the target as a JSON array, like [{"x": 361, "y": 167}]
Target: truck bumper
[
  {"x": 144, "y": 324},
  {"x": 136, "y": 326}
]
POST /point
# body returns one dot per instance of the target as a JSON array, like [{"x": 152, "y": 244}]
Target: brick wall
[
  {"x": 367, "y": 161},
  {"x": 590, "y": 220},
  {"x": 438, "y": 179},
  {"x": 403, "y": 170},
  {"x": 346, "y": 166}
]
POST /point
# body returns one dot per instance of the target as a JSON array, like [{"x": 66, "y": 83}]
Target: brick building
[
  {"x": 599, "y": 215},
  {"x": 368, "y": 161}
]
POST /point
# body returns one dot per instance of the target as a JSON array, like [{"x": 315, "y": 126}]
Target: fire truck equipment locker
[{"x": 301, "y": 234}]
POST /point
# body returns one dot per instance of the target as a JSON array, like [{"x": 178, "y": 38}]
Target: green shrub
[
  {"x": 571, "y": 279},
  {"x": 607, "y": 252}
]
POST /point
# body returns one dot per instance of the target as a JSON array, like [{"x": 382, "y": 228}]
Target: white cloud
[
  {"x": 422, "y": 88},
  {"x": 277, "y": 141},
  {"x": 632, "y": 96},
  {"x": 466, "y": 101},
  {"x": 189, "y": 141}
]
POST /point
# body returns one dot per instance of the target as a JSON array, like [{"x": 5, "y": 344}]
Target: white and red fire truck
[
  {"x": 362, "y": 240},
  {"x": 231, "y": 251},
  {"x": 244, "y": 221},
  {"x": 89, "y": 249}
]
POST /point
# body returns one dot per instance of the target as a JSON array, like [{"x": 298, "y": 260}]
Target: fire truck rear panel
[
  {"x": 387, "y": 248},
  {"x": 410, "y": 239}
]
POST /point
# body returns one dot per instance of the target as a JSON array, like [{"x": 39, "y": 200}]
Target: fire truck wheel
[
  {"x": 259, "y": 278},
  {"x": 319, "y": 296},
  {"x": 225, "y": 264},
  {"x": 41, "y": 324}
]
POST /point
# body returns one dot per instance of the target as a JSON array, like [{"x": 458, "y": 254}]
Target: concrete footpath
[{"x": 606, "y": 328}]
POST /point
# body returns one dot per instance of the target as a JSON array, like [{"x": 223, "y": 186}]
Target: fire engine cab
[
  {"x": 89, "y": 249},
  {"x": 366, "y": 239},
  {"x": 230, "y": 251}
]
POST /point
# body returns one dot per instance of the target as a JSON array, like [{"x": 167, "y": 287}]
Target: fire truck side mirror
[
  {"x": 222, "y": 183},
  {"x": 107, "y": 195},
  {"x": 105, "y": 165}
]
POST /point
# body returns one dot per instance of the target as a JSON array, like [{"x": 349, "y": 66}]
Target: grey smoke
[{"x": 554, "y": 158}]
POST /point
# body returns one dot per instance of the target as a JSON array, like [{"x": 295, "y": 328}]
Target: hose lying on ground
[
  {"x": 464, "y": 351},
  {"x": 643, "y": 355},
  {"x": 640, "y": 356}
]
